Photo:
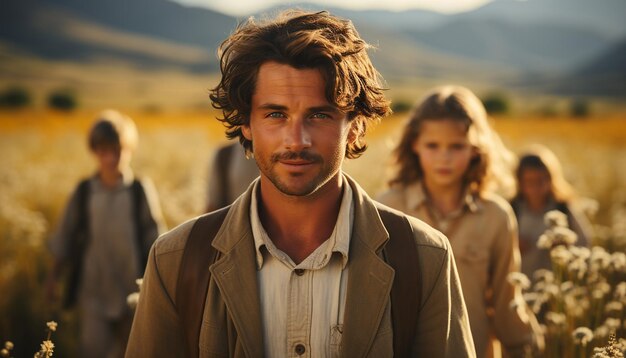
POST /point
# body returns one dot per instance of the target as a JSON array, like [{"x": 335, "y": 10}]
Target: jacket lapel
[
  {"x": 370, "y": 278},
  {"x": 236, "y": 275}
]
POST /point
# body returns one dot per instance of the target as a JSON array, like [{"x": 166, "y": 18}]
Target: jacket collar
[{"x": 369, "y": 283}]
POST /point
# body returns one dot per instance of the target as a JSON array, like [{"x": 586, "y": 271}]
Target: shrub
[
  {"x": 496, "y": 103},
  {"x": 580, "y": 108},
  {"x": 400, "y": 106},
  {"x": 64, "y": 100},
  {"x": 15, "y": 97}
]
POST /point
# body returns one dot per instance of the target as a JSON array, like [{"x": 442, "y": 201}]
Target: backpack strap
[
  {"x": 78, "y": 244},
  {"x": 194, "y": 275},
  {"x": 406, "y": 292},
  {"x": 138, "y": 198}
]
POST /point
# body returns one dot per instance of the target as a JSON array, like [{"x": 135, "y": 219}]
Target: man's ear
[
  {"x": 353, "y": 132},
  {"x": 247, "y": 133}
]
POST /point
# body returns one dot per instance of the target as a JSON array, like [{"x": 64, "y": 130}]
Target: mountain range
[{"x": 569, "y": 42}]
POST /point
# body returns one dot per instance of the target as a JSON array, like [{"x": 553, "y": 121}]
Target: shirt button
[
  {"x": 300, "y": 349},
  {"x": 299, "y": 272}
]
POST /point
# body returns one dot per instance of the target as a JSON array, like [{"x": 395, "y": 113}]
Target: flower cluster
[
  {"x": 581, "y": 301},
  {"x": 47, "y": 347},
  {"x": 133, "y": 298},
  {"x": 5, "y": 352}
]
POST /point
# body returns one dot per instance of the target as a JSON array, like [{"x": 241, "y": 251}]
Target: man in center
[{"x": 303, "y": 260}]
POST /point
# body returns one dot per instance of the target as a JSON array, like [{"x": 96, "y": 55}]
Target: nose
[{"x": 297, "y": 136}]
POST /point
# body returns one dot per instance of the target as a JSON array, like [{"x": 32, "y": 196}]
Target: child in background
[
  {"x": 449, "y": 162},
  {"x": 542, "y": 188},
  {"x": 231, "y": 172},
  {"x": 104, "y": 238}
]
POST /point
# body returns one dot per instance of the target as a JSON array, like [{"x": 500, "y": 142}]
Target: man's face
[{"x": 298, "y": 138}]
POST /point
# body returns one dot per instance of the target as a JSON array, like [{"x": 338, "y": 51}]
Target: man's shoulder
[
  {"x": 424, "y": 234},
  {"x": 176, "y": 239}
]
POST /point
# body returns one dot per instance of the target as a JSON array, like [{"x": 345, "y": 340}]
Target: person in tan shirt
[
  {"x": 303, "y": 264},
  {"x": 447, "y": 159}
]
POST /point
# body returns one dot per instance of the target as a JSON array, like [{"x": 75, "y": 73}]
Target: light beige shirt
[
  {"x": 302, "y": 306},
  {"x": 483, "y": 236}
]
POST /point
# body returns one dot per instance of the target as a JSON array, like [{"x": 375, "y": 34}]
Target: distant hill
[
  {"x": 605, "y": 75},
  {"x": 547, "y": 36},
  {"x": 603, "y": 16},
  {"x": 153, "y": 33},
  {"x": 503, "y": 42},
  {"x": 543, "y": 47}
]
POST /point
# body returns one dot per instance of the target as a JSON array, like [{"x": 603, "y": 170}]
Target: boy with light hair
[{"x": 102, "y": 242}]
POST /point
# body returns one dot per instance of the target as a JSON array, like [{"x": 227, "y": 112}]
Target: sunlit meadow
[{"x": 44, "y": 155}]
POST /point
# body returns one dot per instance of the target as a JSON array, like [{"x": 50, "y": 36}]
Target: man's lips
[{"x": 296, "y": 162}]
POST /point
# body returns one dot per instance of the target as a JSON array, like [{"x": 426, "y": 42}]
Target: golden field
[{"x": 44, "y": 155}]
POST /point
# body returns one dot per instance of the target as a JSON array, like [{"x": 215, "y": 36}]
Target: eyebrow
[{"x": 279, "y": 107}]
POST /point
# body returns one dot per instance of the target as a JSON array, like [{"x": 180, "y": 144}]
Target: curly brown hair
[
  {"x": 302, "y": 40},
  {"x": 490, "y": 167}
]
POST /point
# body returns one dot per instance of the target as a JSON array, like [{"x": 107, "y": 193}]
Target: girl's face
[
  {"x": 535, "y": 186},
  {"x": 444, "y": 151}
]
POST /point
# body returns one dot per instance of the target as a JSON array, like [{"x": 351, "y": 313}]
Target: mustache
[{"x": 302, "y": 155}]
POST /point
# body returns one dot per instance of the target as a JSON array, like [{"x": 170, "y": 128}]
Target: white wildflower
[
  {"x": 560, "y": 255},
  {"x": 47, "y": 348},
  {"x": 567, "y": 286},
  {"x": 582, "y": 336},
  {"x": 620, "y": 291},
  {"x": 518, "y": 279},
  {"x": 618, "y": 261},
  {"x": 552, "y": 290},
  {"x": 52, "y": 326},
  {"x": 614, "y": 309},
  {"x": 132, "y": 300},
  {"x": 599, "y": 258},
  {"x": 530, "y": 297},
  {"x": 577, "y": 267},
  {"x": 555, "y": 218},
  {"x": 601, "y": 332},
  {"x": 544, "y": 242},
  {"x": 563, "y": 236},
  {"x": 555, "y": 319},
  {"x": 613, "y": 324},
  {"x": 580, "y": 252},
  {"x": 543, "y": 275}
]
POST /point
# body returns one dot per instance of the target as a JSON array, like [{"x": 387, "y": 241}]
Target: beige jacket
[
  {"x": 484, "y": 241},
  {"x": 231, "y": 324}
]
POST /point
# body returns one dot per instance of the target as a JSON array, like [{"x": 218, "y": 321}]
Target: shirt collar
[
  {"x": 123, "y": 182},
  {"x": 339, "y": 240},
  {"x": 416, "y": 197}
]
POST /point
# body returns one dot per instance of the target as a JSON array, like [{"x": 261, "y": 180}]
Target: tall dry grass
[{"x": 44, "y": 155}]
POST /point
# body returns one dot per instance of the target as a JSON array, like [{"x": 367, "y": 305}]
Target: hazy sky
[{"x": 245, "y": 7}]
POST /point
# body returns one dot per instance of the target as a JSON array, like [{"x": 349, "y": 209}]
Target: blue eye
[
  {"x": 320, "y": 115},
  {"x": 275, "y": 115}
]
